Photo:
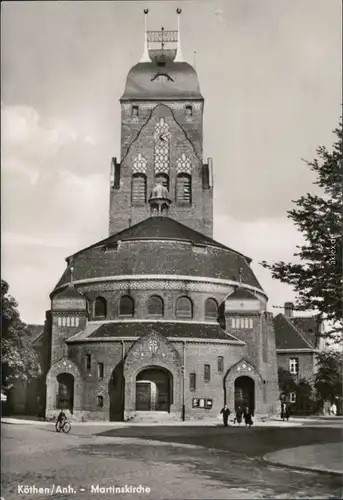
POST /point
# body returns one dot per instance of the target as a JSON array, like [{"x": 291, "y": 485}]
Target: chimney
[{"x": 289, "y": 306}]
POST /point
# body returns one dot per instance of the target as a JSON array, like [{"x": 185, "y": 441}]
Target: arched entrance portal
[
  {"x": 245, "y": 392},
  {"x": 65, "y": 392},
  {"x": 154, "y": 390}
]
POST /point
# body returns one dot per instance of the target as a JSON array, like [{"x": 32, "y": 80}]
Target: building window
[
  {"x": 211, "y": 309},
  {"x": 139, "y": 189},
  {"x": 100, "y": 307},
  {"x": 101, "y": 370},
  {"x": 292, "y": 397},
  {"x": 189, "y": 110},
  {"x": 88, "y": 362},
  {"x": 77, "y": 321},
  {"x": 192, "y": 382},
  {"x": 294, "y": 365},
  {"x": 184, "y": 308},
  {"x": 59, "y": 321},
  {"x": 183, "y": 189},
  {"x": 246, "y": 323},
  {"x": 163, "y": 179},
  {"x": 134, "y": 111},
  {"x": 220, "y": 364},
  {"x": 126, "y": 306},
  {"x": 207, "y": 373},
  {"x": 100, "y": 401},
  {"x": 155, "y": 306}
]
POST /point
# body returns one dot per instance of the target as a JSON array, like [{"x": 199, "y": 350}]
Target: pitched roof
[
  {"x": 163, "y": 228},
  {"x": 241, "y": 293},
  {"x": 308, "y": 327},
  {"x": 288, "y": 334},
  {"x": 167, "y": 329}
]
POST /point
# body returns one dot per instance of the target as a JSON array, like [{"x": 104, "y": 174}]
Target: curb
[{"x": 331, "y": 472}]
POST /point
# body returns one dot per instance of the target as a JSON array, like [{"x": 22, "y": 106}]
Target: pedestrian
[
  {"x": 247, "y": 417},
  {"x": 333, "y": 409},
  {"x": 283, "y": 411},
  {"x": 238, "y": 417},
  {"x": 226, "y": 413}
]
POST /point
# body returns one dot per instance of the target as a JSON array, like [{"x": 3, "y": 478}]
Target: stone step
[{"x": 155, "y": 417}]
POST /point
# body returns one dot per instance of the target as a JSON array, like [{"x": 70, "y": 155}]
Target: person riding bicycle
[{"x": 62, "y": 417}]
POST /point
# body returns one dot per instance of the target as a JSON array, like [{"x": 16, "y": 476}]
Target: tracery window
[{"x": 161, "y": 150}]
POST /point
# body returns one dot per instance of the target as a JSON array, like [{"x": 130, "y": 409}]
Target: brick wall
[
  {"x": 138, "y": 137},
  {"x": 306, "y": 363}
]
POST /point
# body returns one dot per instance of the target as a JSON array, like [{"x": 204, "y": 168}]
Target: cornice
[{"x": 164, "y": 281}]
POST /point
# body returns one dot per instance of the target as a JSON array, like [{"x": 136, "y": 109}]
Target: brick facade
[{"x": 186, "y": 138}]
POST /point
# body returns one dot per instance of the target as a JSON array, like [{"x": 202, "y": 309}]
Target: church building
[{"x": 159, "y": 320}]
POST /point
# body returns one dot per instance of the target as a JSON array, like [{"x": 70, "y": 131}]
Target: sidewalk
[
  {"x": 317, "y": 457},
  {"x": 187, "y": 423}
]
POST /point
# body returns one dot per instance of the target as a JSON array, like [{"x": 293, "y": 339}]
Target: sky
[{"x": 270, "y": 73}]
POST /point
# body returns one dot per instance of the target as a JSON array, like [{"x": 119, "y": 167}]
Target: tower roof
[{"x": 162, "y": 79}]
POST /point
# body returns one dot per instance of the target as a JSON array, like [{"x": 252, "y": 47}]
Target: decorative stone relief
[
  {"x": 139, "y": 164},
  {"x": 183, "y": 165}
]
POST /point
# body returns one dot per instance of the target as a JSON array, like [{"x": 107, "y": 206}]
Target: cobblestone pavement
[{"x": 38, "y": 456}]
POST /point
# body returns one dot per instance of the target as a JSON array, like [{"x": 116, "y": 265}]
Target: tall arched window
[
  {"x": 184, "y": 308},
  {"x": 155, "y": 306},
  {"x": 211, "y": 309},
  {"x": 126, "y": 306},
  {"x": 164, "y": 178},
  {"x": 139, "y": 189},
  {"x": 183, "y": 189},
  {"x": 100, "y": 307}
]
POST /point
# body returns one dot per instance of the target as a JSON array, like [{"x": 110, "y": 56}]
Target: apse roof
[
  {"x": 69, "y": 292},
  {"x": 162, "y": 79}
]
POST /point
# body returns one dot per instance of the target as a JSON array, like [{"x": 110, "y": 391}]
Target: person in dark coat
[
  {"x": 284, "y": 412},
  {"x": 238, "y": 417},
  {"x": 226, "y": 413},
  {"x": 247, "y": 417}
]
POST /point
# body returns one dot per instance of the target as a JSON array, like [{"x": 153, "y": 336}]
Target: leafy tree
[
  {"x": 317, "y": 279},
  {"x": 20, "y": 361},
  {"x": 328, "y": 377},
  {"x": 305, "y": 399},
  {"x": 287, "y": 383}
]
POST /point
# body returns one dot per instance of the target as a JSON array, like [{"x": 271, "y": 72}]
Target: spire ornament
[
  {"x": 145, "y": 57},
  {"x": 178, "y": 57}
]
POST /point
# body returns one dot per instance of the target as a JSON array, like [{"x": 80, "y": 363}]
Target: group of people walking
[{"x": 242, "y": 413}]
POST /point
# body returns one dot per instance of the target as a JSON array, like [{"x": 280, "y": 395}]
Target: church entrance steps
[{"x": 159, "y": 417}]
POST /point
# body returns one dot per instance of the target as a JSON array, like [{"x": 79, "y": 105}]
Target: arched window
[
  {"x": 100, "y": 307},
  {"x": 184, "y": 308},
  {"x": 211, "y": 309},
  {"x": 155, "y": 306},
  {"x": 164, "y": 178},
  {"x": 183, "y": 189},
  {"x": 139, "y": 189},
  {"x": 126, "y": 306}
]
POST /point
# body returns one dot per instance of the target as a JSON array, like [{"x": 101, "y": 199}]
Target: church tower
[{"x": 162, "y": 139}]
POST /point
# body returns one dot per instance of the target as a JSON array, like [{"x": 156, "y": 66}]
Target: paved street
[{"x": 173, "y": 462}]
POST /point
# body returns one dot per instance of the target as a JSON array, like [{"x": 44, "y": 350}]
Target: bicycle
[{"x": 63, "y": 426}]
